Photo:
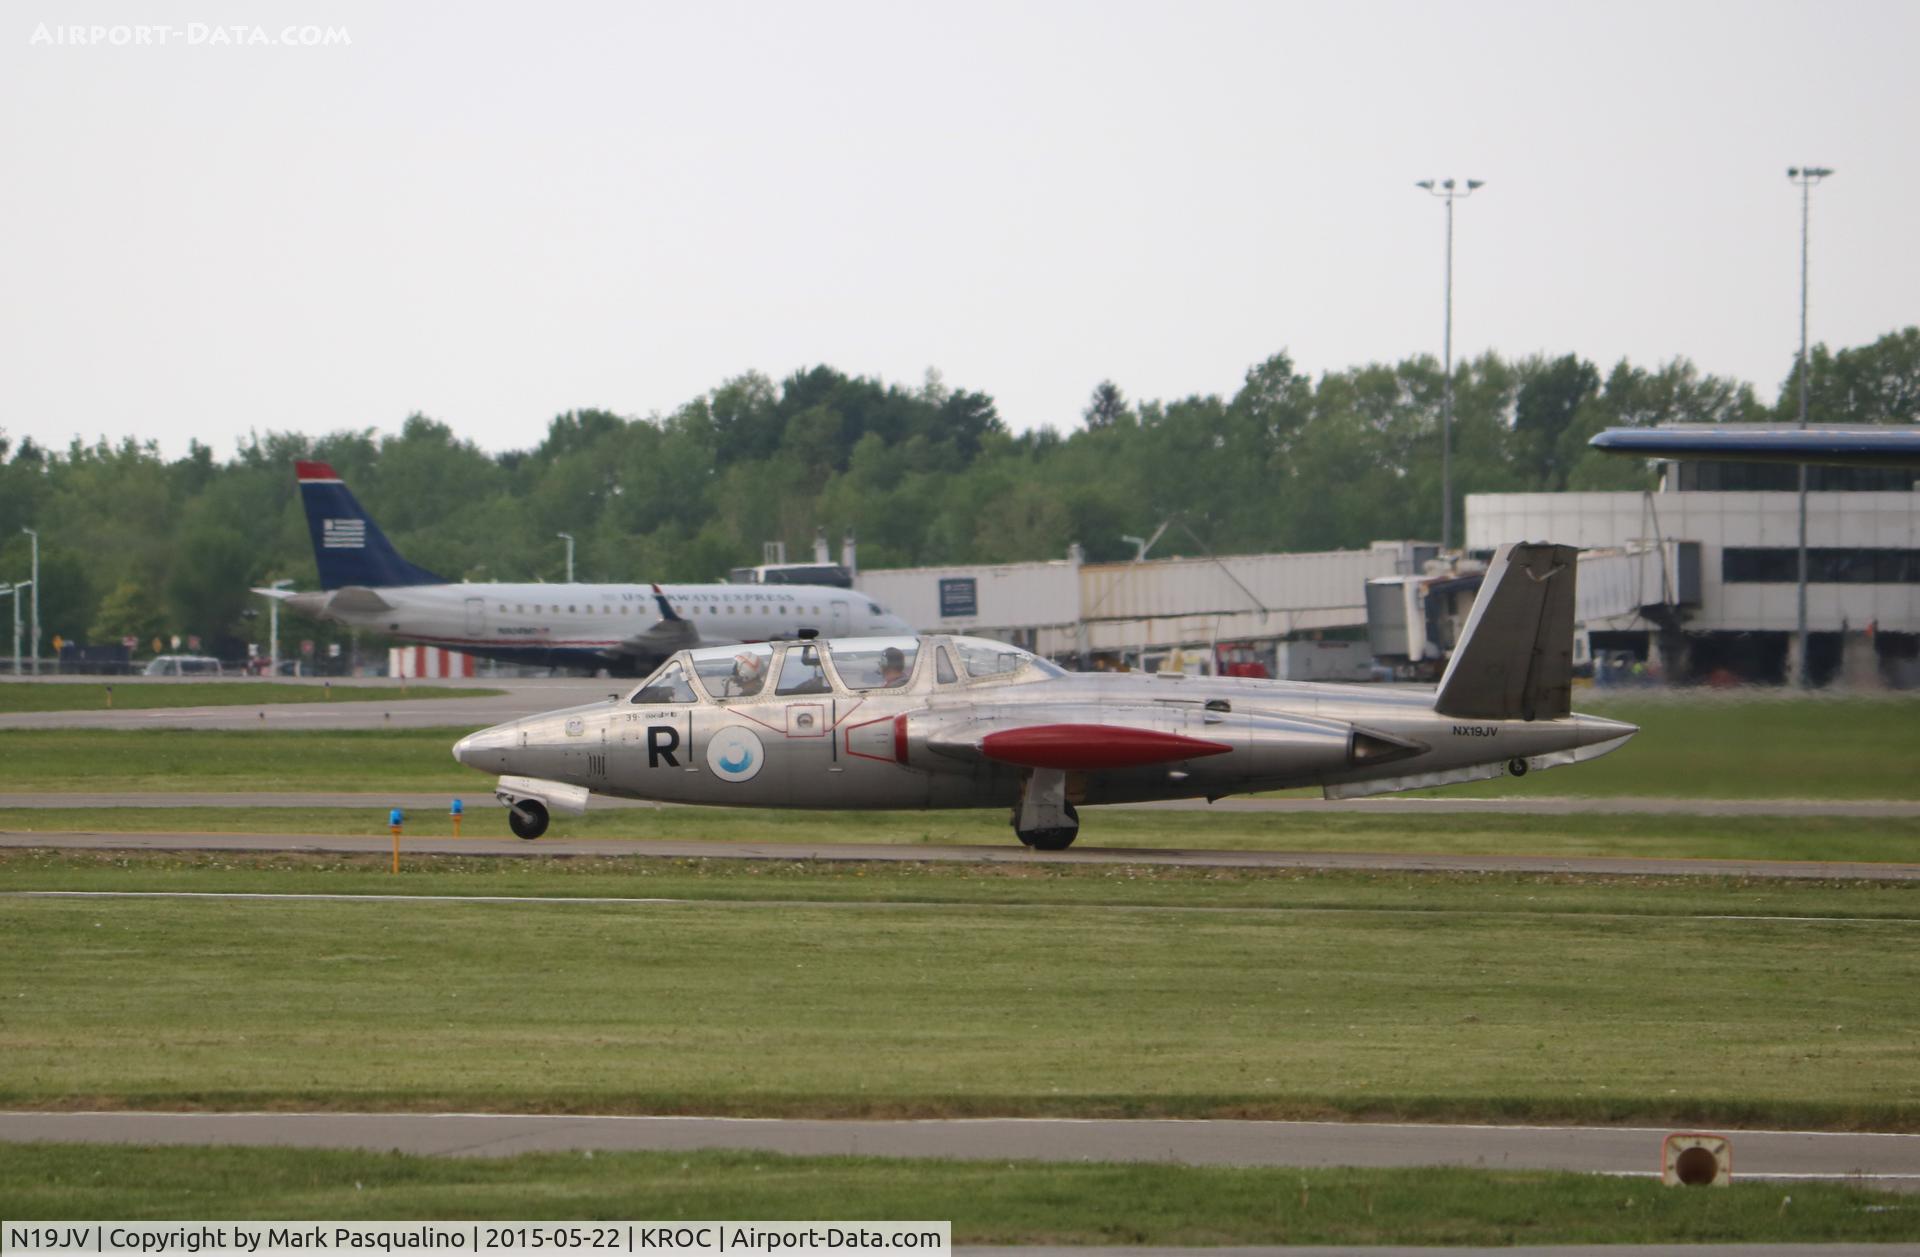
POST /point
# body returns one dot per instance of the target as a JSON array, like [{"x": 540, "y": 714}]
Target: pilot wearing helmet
[
  {"x": 749, "y": 673},
  {"x": 893, "y": 667}
]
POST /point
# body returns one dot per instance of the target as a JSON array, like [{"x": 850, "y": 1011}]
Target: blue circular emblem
[{"x": 735, "y": 753}]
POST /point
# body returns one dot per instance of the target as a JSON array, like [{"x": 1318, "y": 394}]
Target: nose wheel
[{"x": 527, "y": 818}]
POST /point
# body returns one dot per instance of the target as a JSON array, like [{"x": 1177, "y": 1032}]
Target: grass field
[
  {"x": 1699, "y": 745},
  {"x": 924, "y": 989},
  {"x": 124, "y": 695},
  {"x": 1711, "y": 744},
  {"x": 1887, "y": 840},
  {"x": 1422, "y": 998},
  {"x": 987, "y": 1202}
]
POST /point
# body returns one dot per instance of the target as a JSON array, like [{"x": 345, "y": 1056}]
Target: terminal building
[
  {"x": 1693, "y": 583},
  {"x": 1727, "y": 538}
]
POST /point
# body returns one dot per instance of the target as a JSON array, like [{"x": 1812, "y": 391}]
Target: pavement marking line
[{"x": 944, "y": 905}]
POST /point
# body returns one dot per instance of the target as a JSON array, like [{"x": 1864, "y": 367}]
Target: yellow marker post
[
  {"x": 456, "y": 811},
  {"x": 394, "y": 819}
]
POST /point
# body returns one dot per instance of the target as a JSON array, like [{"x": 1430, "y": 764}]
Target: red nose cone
[{"x": 1085, "y": 748}]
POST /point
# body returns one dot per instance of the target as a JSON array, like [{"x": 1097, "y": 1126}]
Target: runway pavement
[
  {"x": 1008, "y": 853},
  {"x": 1886, "y": 1160}
]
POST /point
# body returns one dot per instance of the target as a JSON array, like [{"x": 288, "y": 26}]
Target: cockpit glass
[
  {"x": 982, "y": 658},
  {"x": 876, "y": 663},
  {"x": 669, "y": 685},
  {"x": 734, "y": 671},
  {"x": 802, "y": 672}
]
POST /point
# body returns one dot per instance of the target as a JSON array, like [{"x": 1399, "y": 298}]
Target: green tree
[
  {"x": 1876, "y": 383},
  {"x": 1106, "y": 407},
  {"x": 1551, "y": 394},
  {"x": 128, "y": 611}
]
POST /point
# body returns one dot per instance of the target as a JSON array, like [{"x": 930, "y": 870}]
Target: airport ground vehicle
[
  {"x": 182, "y": 666},
  {"x": 942, "y": 721}
]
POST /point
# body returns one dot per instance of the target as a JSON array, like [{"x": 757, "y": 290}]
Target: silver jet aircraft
[{"x": 943, "y": 722}]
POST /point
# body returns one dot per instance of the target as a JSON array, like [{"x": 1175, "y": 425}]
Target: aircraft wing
[
  {"x": 322, "y": 603},
  {"x": 671, "y": 632},
  {"x": 1838, "y": 445}
]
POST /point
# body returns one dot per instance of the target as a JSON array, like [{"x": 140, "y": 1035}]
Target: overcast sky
[{"x": 496, "y": 213}]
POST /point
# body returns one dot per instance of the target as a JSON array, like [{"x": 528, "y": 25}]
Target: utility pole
[
  {"x": 568, "y": 538},
  {"x": 1806, "y": 177},
  {"x": 1446, "y": 190}
]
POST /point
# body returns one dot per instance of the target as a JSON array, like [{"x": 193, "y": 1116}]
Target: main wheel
[
  {"x": 527, "y": 818},
  {"x": 1056, "y": 838}
]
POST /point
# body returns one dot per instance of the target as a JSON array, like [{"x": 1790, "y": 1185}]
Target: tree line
[{"x": 134, "y": 545}]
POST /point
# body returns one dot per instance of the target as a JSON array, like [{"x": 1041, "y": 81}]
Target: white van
[{"x": 184, "y": 666}]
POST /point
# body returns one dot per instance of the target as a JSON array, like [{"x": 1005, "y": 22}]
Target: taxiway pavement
[
  {"x": 1883, "y": 1159},
  {"x": 1007, "y": 853},
  {"x": 481, "y": 795}
]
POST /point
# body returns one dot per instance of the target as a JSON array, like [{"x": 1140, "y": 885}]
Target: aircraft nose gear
[
  {"x": 1043, "y": 819},
  {"x": 527, "y": 818}
]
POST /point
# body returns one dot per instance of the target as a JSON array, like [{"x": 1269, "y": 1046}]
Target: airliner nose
[{"x": 487, "y": 749}]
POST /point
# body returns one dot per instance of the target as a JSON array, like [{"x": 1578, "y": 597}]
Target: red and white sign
[{"x": 428, "y": 662}]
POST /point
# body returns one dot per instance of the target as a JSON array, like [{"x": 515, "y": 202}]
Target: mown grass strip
[
  {"x": 238, "y": 759},
  {"x": 1039, "y": 887},
  {"x": 1819, "y": 838},
  {"x": 803, "y": 1010},
  {"x": 137, "y": 695},
  {"x": 1704, "y": 744},
  {"x": 988, "y": 1202}
]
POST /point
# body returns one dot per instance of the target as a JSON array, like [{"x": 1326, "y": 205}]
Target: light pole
[
  {"x": 15, "y": 591},
  {"x": 34, "y": 638},
  {"x": 273, "y": 629},
  {"x": 568, "y": 538},
  {"x": 1446, "y": 190},
  {"x": 1806, "y": 177}
]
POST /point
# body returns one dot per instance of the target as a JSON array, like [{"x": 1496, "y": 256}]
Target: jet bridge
[{"x": 1412, "y": 621}]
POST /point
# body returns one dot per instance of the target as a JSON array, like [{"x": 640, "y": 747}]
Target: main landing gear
[
  {"x": 1050, "y": 837},
  {"x": 1043, "y": 819},
  {"x": 528, "y": 818}
]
